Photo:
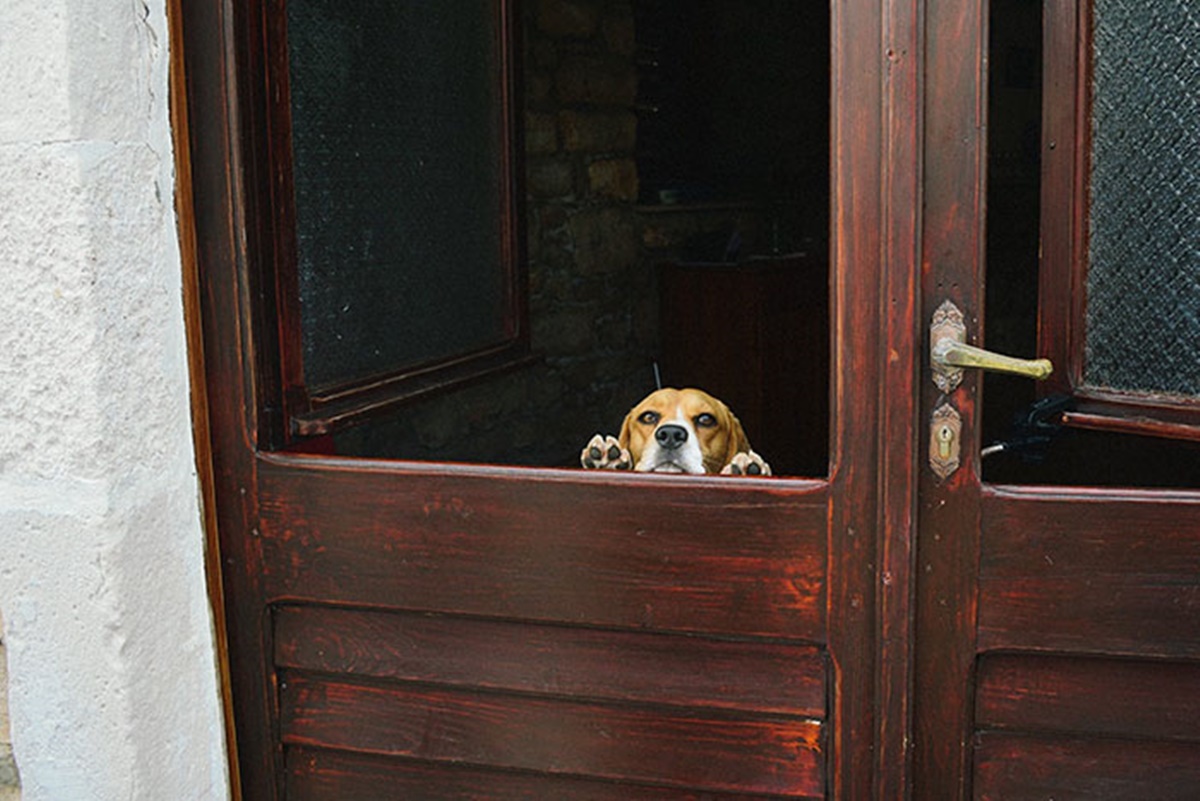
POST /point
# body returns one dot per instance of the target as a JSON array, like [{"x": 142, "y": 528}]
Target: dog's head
[{"x": 682, "y": 431}]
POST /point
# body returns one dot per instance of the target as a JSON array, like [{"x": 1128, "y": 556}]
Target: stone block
[
  {"x": 539, "y": 86},
  {"x": 598, "y": 132},
  {"x": 618, "y": 29},
  {"x": 549, "y": 178},
  {"x": 565, "y": 331},
  {"x": 596, "y": 81},
  {"x": 613, "y": 178},
  {"x": 574, "y": 18},
  {"x": 541, "y": 134},
  {"x": 605, "y": 241}
]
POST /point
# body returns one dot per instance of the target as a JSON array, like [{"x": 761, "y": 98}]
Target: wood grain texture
[
  {"x": 901, "y": 426},
  {"x": 1121, "y": 698},
  {"x": 1091, "y": 571},
  {"x": 952, "y": 263},
  {"x": 769, "y": 754},
  {"x": 317, "y": 775},
  {"x": 1016, "y": 766},
  {"x": 567, "y": 546},
  {"x": 857, "y": 142},
  {"x": 1061, "y": 279},
  {"x": 554, "y": 660},
  {"x": 220, "y": 206}
]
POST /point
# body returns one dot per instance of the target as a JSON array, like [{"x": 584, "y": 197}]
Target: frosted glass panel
[
  {"x": 398, "y": 152},
  {"x": 1143, "y": 288}
]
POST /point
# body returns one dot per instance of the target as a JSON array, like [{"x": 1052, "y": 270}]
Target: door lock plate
[{"x": 945, "y": 440}]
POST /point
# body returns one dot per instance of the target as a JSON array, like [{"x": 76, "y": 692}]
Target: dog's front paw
[
  {"x": 605, "y": 453},
  {"x": 747, "y": 463}
]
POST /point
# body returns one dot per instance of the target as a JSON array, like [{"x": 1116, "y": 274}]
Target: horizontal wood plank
[
  {"x": 1118, "y": 615},
  {"x": 656, "y": 553},
  {"x": 1111, "y": 572},
  {"x": 1059, "y": 532},
  {"x": 315, "y": 775},
  {"x": 553, "y": 660},
  {"x": 767, "y": 755},
  {"x": 1111, "y": 697},
  {"x": 1013, "y": 766}
]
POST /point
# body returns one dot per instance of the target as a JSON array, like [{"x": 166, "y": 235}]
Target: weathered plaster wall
[{"x": 112, "y": 689}]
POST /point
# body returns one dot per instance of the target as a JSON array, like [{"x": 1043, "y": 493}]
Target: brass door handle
[
  {"x": 949, "y": 353},
  {"x": 959, "y": 354}
]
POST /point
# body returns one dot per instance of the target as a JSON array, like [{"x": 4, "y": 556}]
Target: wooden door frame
[{"x": 876, "y": 131}]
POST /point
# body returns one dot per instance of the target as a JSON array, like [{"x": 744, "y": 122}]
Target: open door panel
[{"x": 1058, "y": 648}]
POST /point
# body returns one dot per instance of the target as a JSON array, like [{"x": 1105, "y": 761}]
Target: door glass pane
[
  {"x": 398, "y": 152},
  {"x": 1143, "y": 240},
  {"x": 1143, "y": 287}
]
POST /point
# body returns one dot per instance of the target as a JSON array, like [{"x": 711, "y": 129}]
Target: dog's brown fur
[{"x": 706, "y": 437}]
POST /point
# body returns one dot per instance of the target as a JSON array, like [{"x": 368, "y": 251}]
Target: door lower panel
[
  {"x": 1086, "y": 683},
  {"x": 571, "y": 636},
  {"x": 1013, "y": 766},
  {"x": 319, "y": 775},
  {"x": 704, "y": 555},
  {"x": 1090, "y": 571}
]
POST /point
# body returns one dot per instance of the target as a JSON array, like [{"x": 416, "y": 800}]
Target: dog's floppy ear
[
  {"x": 738, "y": 441},
  {"x": 626, "y": 426}
]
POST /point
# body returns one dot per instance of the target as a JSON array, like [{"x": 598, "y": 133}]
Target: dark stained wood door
[
  {"x": 407, "y": 630},
  {"x": 1057, "y": 649},
  {"x": 416, "y": 630}
]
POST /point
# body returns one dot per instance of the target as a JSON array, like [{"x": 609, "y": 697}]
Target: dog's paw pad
[
  {"x": 747, "y": 463},
  {"x": 605, "y": 453}
]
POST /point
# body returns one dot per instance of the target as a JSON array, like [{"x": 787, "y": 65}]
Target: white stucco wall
[{"x": 112, "y": 684}]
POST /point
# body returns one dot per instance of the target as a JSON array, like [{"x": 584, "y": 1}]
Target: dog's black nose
[{"x": 671, "y": 436}]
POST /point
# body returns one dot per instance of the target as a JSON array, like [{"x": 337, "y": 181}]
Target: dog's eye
[
  {"x": 705, "y": 420},
  {"x": 649, "y": 418}
]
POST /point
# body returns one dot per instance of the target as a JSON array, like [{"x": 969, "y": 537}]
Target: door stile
[
  {"x": 231, "y": 362},
  {"x": 856, "y": 139},
  {"x": 874, "y": 138},
  {"x": 899, "y": 390},
  {"x": 948, "y": 542}
]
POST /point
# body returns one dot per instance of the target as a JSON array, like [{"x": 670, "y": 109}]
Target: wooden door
[
  {"x": 1057, "y": 623},
  {"x": 398, "y": 629}
]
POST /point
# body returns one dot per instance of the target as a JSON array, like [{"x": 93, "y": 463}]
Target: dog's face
[{"x": 682, "y": 431}]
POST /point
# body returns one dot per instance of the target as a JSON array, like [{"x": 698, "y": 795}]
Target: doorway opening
[{"x": 674, "y": 173}]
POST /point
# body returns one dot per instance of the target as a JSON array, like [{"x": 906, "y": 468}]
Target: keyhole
[{"x": 944, "y": 437}]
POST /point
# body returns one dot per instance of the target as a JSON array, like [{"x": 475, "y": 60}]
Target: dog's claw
[
  {"x": 747, "y": 463},
  {"x": 605, "y": 453}
]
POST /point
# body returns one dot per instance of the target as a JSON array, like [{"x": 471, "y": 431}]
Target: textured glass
[
  {"x": 397, "y": 147},
  {"x": 1143, "y": 288}
]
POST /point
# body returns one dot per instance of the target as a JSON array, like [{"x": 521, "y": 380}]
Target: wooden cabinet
[{"x": 756, "y": 335}]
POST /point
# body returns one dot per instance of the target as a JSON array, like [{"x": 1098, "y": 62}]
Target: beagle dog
[{"x": 677, "y": 431}]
